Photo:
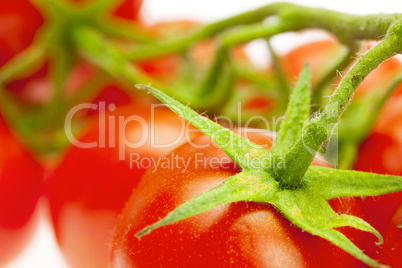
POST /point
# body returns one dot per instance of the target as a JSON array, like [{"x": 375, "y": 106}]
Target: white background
[{"x": 42, "y": 252}]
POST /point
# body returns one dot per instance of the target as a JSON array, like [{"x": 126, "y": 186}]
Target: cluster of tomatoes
[{"x": 88, "y": 188}]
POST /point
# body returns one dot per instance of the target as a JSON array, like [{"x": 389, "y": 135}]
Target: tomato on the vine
[
  {"x": 20, "y": 187},
  {"x": 242, "y": 234},
  {"x": 90, "y": 186}
]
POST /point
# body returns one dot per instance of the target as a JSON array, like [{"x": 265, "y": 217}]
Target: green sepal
[
  {"x": 240, "y": 187},
  {"x": 239, "y": 149},
  {"x": 297, "y": 114},
  {"x": 357, "y": 223},
  {"x": 331, "y": 183},
  {"x": 307, "y": 210}
]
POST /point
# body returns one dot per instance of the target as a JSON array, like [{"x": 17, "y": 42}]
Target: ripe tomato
[
  {"x": 392, "y": 249},
  {"x": 242, "y": 234},
  {"x": 19, "y": 21},
  {"x": 129, "y": 9},
  {"x": 20, "y": 185},
  {"x": 381, "y": 153},
  {"x": 316, "y": 53},
  {"x": 90, "y": 186},
  {"x": 319, "y": 53}
]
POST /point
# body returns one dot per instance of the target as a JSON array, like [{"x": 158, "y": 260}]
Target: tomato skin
[
  {"x": 317, "y": 53},
  {"x": 241, "y": 234},
  {"x": 374, "y": 156},
  {"x": 391, "y": 251},
  {"x": 381, "y": 153},
  {"x": 20, "y": 187},
  {"x": 90, "y": 186}
]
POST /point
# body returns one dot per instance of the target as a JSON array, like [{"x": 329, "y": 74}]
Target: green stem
[
  {"x": 338, "y": 65},
  {"x": 204, "y": 32},
  {"x": 100, "y": 52},
  {"x": 347, "y": 155},
  {"x": 228, "y": 40},
  {"x": 251, "y": 32},
  {"x": 208, "y": 85},
  {"x": 279, "y": 71},
  {"x": 346, "y": 27},
  {"x": 122, "y": 29}
]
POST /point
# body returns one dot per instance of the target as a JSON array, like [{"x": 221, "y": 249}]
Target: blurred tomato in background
[{"x": 21, "y": 177}]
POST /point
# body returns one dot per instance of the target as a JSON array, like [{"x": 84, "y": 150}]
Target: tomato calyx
[{"x": 305, "y": 202}]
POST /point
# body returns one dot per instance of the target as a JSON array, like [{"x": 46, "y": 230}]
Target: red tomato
[
  {"x": 316, "y": 53},
  {"x": 242, "y": 234},
  {"x": 90, "y": 186},
  {"x": 391, "y": 251},
  {"x": 129, "y": 9},
  {"x": 19, "y": 21},
  {"x": 20, "y": 185},
  {"x": 320, "y": 52},
  {"x": 381, "y": 153}
]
